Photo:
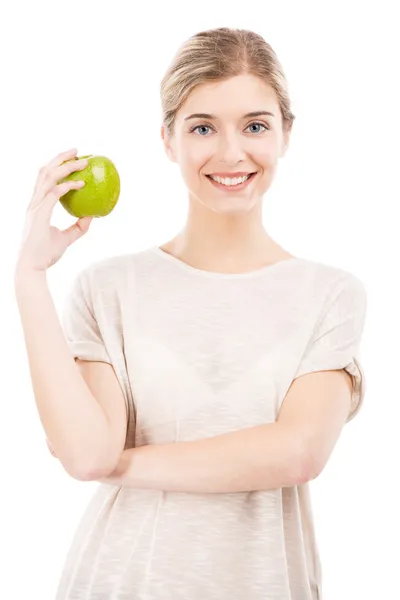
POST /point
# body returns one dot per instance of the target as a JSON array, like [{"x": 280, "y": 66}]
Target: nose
[{"x": 230, "y": 149}]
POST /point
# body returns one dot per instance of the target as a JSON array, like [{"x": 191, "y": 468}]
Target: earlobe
[
  {"x": 167, "y": 144},
  {"x": 170, "y": 153},
  {"x": 285, "y": 145}
]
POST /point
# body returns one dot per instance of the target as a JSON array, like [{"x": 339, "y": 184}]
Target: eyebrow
[{"x": 256, "y": 113}]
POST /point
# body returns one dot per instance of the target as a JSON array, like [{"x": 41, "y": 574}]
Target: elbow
[
  {"x": 309, "y": 470},
  {"x": 91, "y": 463},
  {"x": 308, "y": 465},
  {"x": 84, "y": 472}
]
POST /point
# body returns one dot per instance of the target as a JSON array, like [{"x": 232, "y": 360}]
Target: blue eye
[
  {"x": 198, "y": 127},
  {"x": 260, "y": 124}
]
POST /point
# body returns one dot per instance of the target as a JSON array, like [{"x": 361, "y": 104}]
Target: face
[{"x": 224, "y": 142}]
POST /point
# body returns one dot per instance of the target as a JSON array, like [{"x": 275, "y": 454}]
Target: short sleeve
[
  {"x": 81, "y": 329},
  {"x": 335, "y": 343}
]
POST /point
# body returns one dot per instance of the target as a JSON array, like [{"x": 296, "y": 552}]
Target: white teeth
[{"x": 229, "y": 180}]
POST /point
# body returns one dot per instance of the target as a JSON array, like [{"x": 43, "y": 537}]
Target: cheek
[
  {"x": 194, "y": 156},
  {"x": 194, "y": 159},
  {"x": 265, "y": 156}
]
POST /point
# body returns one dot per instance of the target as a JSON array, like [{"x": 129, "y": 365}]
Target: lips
[
  {"x": 231, "y": 175},
  {"x": 232, "y": 188}
]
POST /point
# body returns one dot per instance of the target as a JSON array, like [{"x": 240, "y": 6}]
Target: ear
[
  {"x": 285, "y": 143},
  {"x": 168, "y": 146}
]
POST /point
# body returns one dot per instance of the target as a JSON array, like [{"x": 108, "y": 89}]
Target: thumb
[{"x": 77, "y": 230}]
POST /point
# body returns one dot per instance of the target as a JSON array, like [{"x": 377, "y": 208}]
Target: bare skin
[{"x": 224, "y": 230}]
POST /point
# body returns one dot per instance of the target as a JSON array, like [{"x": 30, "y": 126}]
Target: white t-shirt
[{"x": 199, "y": 354}]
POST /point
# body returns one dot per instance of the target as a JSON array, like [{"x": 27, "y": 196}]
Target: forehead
[{"x": 235, "y": 96}]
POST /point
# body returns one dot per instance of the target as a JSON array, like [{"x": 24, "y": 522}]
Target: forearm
[
  {"x": 72, "y": 419},
  {"x": 257, "y": 458}
]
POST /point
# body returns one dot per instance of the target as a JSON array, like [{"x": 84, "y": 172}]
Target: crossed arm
[{"x": 290, "y": 451}]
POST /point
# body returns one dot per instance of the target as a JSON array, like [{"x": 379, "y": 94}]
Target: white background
[{"x": 86, "y": 75}]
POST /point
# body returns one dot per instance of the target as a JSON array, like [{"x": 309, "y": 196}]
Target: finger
[
  {"x": 57, "y": 160},
  {"x": 50, "y": 200},
  {"x": 77, "y": 230},
  {"x": 60, "y": 158},
  {"x": 59, "y": 173},
  {"x": 49, "y": 178}
]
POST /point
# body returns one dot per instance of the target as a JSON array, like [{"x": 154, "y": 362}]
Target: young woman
[{"x": 203, "y": 382}]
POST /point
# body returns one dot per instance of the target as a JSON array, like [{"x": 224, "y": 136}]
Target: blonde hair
[{"x": 218, "y": 54}]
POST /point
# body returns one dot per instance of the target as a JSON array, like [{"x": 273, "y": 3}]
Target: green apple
[{"x": 99, "y": 195}]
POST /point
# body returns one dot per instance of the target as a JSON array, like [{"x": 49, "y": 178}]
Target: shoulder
[
  {"x": 111, "y": 271},
  {"x": 102, "y": 284},
  {"x": 345, "y": 294},
  {"x": 336, "y": 278},
  {"x": 105, "y": 268},
  {"x": 328, "y": 288}
]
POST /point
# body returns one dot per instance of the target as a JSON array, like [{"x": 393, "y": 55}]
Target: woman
[{"x": 212, "y": 374}]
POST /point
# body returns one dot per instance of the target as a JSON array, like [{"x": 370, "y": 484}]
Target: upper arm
[
  {"x": 316, "y": 407},
  {"x": 102, "y": 381},
  {"x": 328, "y": 386},
  {"x": 335, "y": 342},
  {"x": 89, "y": 319}
]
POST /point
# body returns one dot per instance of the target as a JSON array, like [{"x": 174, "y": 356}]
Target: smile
[{"x": 237, "y": 184}]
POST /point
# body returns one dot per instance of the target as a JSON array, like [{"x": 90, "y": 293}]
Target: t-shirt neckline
[{"x": 214, "y": 274}]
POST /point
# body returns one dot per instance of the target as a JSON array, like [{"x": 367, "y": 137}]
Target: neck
[{"x": 216, "y": 240}]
